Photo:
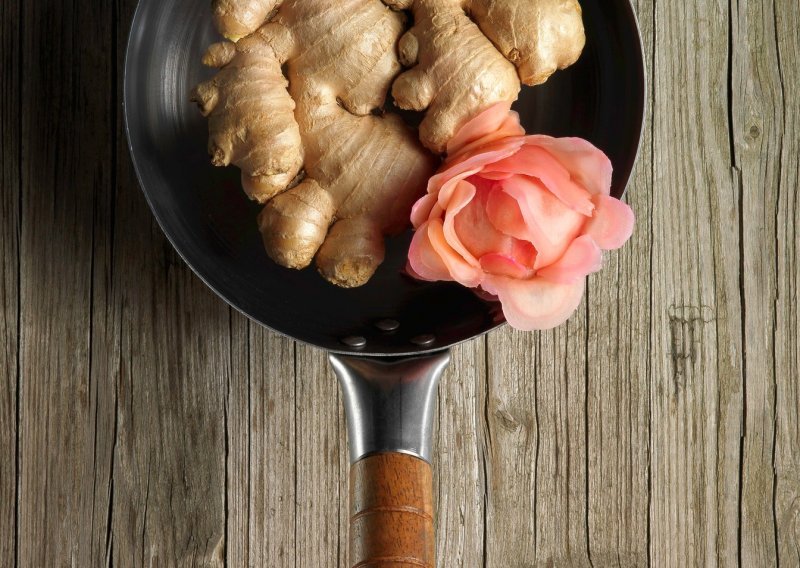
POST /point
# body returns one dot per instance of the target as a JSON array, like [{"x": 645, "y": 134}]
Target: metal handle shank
[{"x": 390, "y": 406}]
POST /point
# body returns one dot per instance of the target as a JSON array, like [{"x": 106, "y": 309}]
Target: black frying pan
[{"x": 409, "y": 324}]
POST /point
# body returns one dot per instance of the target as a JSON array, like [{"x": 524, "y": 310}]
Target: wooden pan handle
[{"x": 391, "y": 512}]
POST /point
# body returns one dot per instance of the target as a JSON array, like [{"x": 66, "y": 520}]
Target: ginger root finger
[
  {"x": 236, "y": 19},
  {"x": 351, "y": 253},
  {"x": 294, "y": 224},
  {"x": 251, "y": 114},
  {"x": 538, "y": 36},
  {"x": 408, "y": 50},
  {"x": 459, "y": 72},
  {"x": 219, "y": 54}
]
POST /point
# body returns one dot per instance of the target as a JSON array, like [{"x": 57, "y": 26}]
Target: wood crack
[
  {"x": 296, "y": 448},
  {"x": 586, "y": 430},
  {"x": 737, "y": 173},
  {"x": 486, "y": 453},
  {"x": 778, "y": 275},
  {"x": 731, "y": 132},
  {"x": 109, "y": 541},
  {"x": 651, "y": 301},
  {"x": 538, "y": 442},
  {"x": 20, "y": 211}
]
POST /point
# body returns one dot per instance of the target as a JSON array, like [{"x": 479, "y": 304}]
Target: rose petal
[
  {"x": 478, "y": 234},
  {"x": 424, "y": 261},
  {"x": 509, "y": 129},
  {"x": 421, "y": 210},
  {"x": 505, "y": 215},
  {"x": 460, "y": 270},
  {"x": 539, "y": 163},
  {"x": 581, "y": 259},
  {"x": 482, "y": 124},
  {"x": 496, "y": 175},
  {"x": 496, "y": 121},
  {"x": 476, "y": 161},
  {"x": 612, "y": 223},
  {"x": 473, "y": 227},
  {"x": 502, "y": 265},
  {"x": 587, "y": 165},
  {"x": 409, "y": 270},
  {"x": 443, "y": 183},
  {"x": 445, "y": 194},
  {"x": 536, "y": 304},
  {"x": 463, "y": 195},
  {"x": 543, "y": 219}
]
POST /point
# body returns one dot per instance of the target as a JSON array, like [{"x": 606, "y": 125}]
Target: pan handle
[{"x": 390, "y": 404}]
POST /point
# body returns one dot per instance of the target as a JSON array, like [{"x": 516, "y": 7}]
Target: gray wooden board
[
  {"x": 143, "y": 422},
  {"x": 10, "y": 191}
]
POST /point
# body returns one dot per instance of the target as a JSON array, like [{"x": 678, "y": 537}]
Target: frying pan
[{"x": 389, "y": 340}]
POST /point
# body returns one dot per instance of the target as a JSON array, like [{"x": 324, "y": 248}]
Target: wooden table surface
[{"x": 144, "y": 422}]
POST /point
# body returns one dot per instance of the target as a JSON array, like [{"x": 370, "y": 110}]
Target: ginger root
[
  {"x": 464, "y": 54},
  {"x": 335, "y": 172},
  {"x": 359, "y": 173}
]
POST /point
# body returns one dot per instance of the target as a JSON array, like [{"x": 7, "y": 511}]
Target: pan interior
[{"x": 212, "y": 225}]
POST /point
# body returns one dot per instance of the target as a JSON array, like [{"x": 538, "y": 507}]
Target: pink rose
[{"x": 525, "y": 218}]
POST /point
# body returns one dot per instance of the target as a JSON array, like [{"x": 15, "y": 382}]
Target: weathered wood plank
[
  {"x": 242, "y": 454},
  {"x": 321, "y": 464},
  {"x": 561, "y": 501},
  {"x": 786, "y": 447},
  {"x": 758, "y": 108},
  {"x": 169, "y": 461},
  {"x": 618, "y": 356},
  {"x": 10, "y": 186},
  {"x": 66, "y": 164},
  {"x": 175, "y": 361},
  {"x": 536, "y": 452},
  {"x": 511, "y": 443},
  {"x": 270, "y": 429},
  {"x": 696, "y": 322},
  {"x": 459, "y": 483}
]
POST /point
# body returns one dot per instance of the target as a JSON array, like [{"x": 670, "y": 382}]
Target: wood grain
[
  {"x": 10, "y": 192},
  {"x": 459, "y": 482},
  {"x": 63, "y": 80},
  {"x": 143, "y": 422},
  {"x": 696, "y": 340},
  {"x": 321, "y": 465},
  {"x": 757, "y": 114},
  {"x": 536, "y": 439},
  {"x": 786, "y": 447},
  {"x": 768, "y": 157},
  {"x": 261, "y": 429},
  {"x": 618, "y": 376}
]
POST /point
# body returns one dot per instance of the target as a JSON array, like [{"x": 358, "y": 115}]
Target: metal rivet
[
  {"x": 423, "y": 340},
  {"x": 354, "y": 341},
  {"x": 387, "y": 325}
]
